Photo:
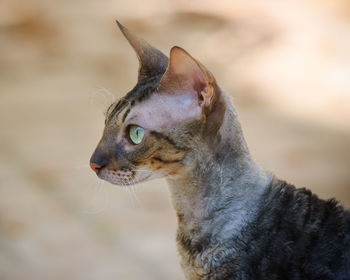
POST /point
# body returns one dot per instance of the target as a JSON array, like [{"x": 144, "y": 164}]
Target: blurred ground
[{"x": 286, "y": 64}]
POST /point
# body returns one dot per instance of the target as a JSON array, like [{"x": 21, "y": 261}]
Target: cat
[{"x": 235, "y": 220}]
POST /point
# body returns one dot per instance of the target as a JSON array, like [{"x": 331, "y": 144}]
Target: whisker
[
  {"x": 144, "y": 170},
  {"x": 123, "y": 98},
  {"x": 106, "y": 91},
  {"x": 128, "y": 190},
  {"x": 102, "y": 92},
  {"x": 130, "y": 186},
  {"x": 101, "y": 191},
  {"x": 133, "y": 191}
]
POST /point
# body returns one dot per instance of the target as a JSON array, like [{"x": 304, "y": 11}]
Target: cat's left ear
[
  {"x": 152, "y": 62},
  {"x": 184, "y": 74}
]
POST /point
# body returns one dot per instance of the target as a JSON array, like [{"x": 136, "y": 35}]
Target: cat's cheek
[
  {"x": 150, "y": 176},
  {"x": 170, "y": 170}
]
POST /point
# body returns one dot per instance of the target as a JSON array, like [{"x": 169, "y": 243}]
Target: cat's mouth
[{"x": 125, "y": 177}]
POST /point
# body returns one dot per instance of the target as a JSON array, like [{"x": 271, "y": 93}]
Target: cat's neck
[{"x": 220, "y": 191}]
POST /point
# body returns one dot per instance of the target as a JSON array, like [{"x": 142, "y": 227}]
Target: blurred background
[{"x": 285, "y": 63}]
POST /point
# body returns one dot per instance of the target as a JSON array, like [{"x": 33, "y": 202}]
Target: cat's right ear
[
  {"x": 152, "y": 61},
  {"x": 186, "y": 75}
]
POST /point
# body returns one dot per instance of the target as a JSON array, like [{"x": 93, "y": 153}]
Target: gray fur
[
  {"x": 236, "y": 221},
  {"x": 226, "y": 184}
]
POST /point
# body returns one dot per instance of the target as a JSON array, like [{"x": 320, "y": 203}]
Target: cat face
[
  {"x": 153, "y": 130},
  {"x": 143, "y": 141}
]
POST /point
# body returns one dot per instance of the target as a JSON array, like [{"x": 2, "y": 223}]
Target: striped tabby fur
[{"x": 235, "y": 221}]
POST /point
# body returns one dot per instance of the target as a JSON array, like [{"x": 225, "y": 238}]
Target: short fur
[{"x": 235, "y": 221}]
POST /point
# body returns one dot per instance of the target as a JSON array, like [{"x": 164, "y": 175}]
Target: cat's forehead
[
  {"x": 137, "y": 95},
  {"x": 153, "y": 110},
  {"x": 162, "y": 110}
]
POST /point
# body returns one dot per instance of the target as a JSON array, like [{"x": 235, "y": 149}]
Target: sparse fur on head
[{"x": 236, "y": 221}]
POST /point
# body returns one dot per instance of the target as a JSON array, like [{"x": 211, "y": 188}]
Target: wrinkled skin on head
[{"x": 175, "y": 103}]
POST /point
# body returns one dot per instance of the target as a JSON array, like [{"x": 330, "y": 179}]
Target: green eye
[{"x": 136, "y": 134}]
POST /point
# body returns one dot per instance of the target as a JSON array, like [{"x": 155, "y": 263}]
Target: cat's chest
[
  {"x": 208, "y": 264},
  {"x": 202, "y": 257}
]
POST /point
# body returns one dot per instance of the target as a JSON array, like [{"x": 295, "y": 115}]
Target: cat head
[{"x": 155, "y": 130}]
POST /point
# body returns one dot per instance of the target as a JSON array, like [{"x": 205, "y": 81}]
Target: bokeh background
[{"x": 285, "y": 63}]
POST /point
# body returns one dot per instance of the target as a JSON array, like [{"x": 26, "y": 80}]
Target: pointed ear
[
  {"x": 152, "y": 61},
  {"x": 186, "y": 75}
]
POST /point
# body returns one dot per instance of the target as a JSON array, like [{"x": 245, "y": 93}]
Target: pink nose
[{"x": 95, "y": 167}]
